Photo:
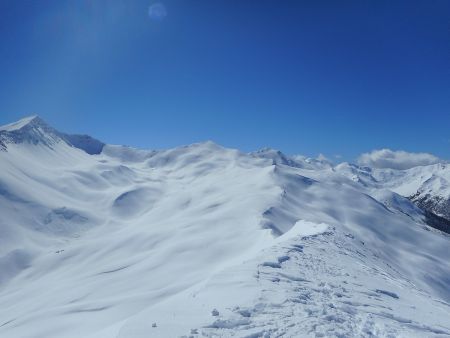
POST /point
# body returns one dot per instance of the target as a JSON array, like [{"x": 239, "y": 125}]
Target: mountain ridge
[{"x": 434, "y": 201}]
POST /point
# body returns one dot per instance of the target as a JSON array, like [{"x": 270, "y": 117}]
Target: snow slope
[{"x": 205, "y": 241}]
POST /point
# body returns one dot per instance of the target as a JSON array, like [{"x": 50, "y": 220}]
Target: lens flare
[{"x": 157, "y": 12}]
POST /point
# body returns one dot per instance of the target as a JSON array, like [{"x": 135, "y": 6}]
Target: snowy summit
[{"x": 107, "y": 241}]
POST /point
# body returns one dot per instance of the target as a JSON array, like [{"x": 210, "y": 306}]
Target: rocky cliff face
[{"x": 434, "y": 196}]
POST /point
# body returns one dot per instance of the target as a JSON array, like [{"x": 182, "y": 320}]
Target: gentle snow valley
[{"x": 105, "y": 241}]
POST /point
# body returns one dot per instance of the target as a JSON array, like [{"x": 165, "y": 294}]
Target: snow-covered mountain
[
  {"x": 33, "y": 130},
  {"x": 428, "y": 187},
  {"x": 104, "y": 241}
]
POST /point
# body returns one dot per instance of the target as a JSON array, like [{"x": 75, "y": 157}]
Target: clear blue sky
[{"x": 308, "y": 77}]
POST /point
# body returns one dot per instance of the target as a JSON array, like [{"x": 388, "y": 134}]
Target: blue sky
[{"x": 308, "y": 77}]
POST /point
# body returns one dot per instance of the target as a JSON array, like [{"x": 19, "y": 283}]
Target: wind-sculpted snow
[
  {"x": 205, "y": 241},
  {"x": 136, "y": 202}
]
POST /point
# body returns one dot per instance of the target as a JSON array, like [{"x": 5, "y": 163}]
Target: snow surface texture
[{"x": 204, "y": 241}]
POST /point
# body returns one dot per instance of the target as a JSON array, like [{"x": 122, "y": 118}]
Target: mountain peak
[
  {"x": 35, "y": 130},
  {"x": 31, "y": 130},
  {"x": 276, "y": 156},
  {"x": 26, "y": 121}
]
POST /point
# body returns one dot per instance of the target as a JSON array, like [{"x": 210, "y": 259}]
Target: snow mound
[{"x": 136, "y": 202}]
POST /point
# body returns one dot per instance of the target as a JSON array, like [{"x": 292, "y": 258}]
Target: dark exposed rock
[{"x": 431, "y": 205}]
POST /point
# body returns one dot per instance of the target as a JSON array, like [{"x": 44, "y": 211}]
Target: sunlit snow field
[{"x": 205, "y": 241}]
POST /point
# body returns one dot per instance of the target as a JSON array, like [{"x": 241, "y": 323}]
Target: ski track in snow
[{"x": 317, "y": 290}]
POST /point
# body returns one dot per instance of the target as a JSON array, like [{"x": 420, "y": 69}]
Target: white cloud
[{"x": 386, "y": 158}]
